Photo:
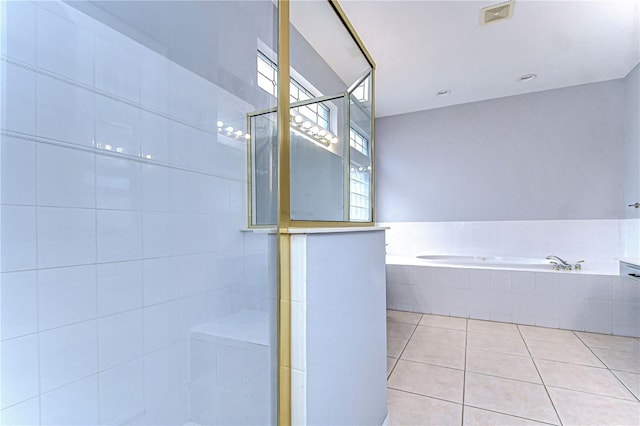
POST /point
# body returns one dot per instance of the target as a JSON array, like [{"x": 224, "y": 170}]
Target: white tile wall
[
  {"x": 20, "y": 20},
  {"x": 122, "y": 393},
  {"x": 117, "y": 64},
  {"x": 119, "y": 235},
  {"x": 74, "y": 404},
  {"x": 66, "y": 177},
  {"x": 154, "y": 138},
  {"x": 109, "y": 256},
  {"x": 17, "y": 172},
  {"x": 19, "y": 304},
  {"x": 56, "y": 26},
  {"x": 66, "y": 296},
  {"x": 120, "y": 338},
  {"x": 161, "y": 375},
  {"x": 66, "y": 236},
  {"x": 117, "y": 126},
  {"x": 67, "y": 354},
  {"x": 118, "y": 184},
  {"x": 19, "y": 370},
  {"x": 64, "y": 112},
  {"x": 20, "y": 97},
  {"x": 25, "y": 413},
  {"x": 18, "y": 235},
  {"x": 119, "y": 287}
]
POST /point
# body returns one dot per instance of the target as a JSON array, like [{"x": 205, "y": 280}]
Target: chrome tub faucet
[{"x": 558, "y": 263}]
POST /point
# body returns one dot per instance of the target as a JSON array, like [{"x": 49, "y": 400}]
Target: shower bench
[{"x": 230, "y": 370}]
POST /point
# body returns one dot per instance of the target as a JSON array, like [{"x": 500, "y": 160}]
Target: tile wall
[{"x": 120, "y": 218}]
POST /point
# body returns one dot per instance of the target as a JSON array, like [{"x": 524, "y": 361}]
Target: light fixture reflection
[{"x": 311, "y": 131}]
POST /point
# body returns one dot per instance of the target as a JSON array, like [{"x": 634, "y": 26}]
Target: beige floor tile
[
  {"x": 478, "y": 417},
  {"x": 411, "y": 409},
  {"x": 578, "y": 408},
  {"x": 444, "y": 322},
  {"x": 391, "y": 362},
  {"x": 399, "y": 329},
  {"x": 508, "y": 396},
  {"x": 572, "y": 352},
  {"x": 502, "y": 365},
  {"x": 606, "y": 341},
  {"x": 619, "y": 361},
  {"x": 478, "y": 326},
  {"x": 497, "y": 342},
  {"x": 547, "y": 334},
  {"x": 395, "y": 346},
  {"x": 582, "y": 378},
  {"x": 428, "y": 380},
  {"x": 440, "y": 336},
  {"x": 405, "y": 317},
  {"x": 443, "y": 355},
  {"x": 631, "y": 381}
]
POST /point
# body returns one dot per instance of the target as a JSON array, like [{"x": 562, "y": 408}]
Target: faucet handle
[{"x": 578, "y": 265}]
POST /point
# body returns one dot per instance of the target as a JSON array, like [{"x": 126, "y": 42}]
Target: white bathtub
[
  {"x": 521, "y": 263},
  {"x": 517, "y": 290}
]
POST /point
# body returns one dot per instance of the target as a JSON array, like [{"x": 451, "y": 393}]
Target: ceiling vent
[{"x": 497, "y": 12}]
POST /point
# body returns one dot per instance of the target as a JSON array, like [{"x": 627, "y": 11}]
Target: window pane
[
  {"x": 266, "y": 84},
  {"x": 265, "y": 68}
]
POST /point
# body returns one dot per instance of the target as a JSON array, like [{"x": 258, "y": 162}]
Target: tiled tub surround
[
  {"x": 448, "y": 370},
  {"x": 120, "y": 218},
  {"x": 576, "y": 300},
  {"x": 594, "y": 299}
]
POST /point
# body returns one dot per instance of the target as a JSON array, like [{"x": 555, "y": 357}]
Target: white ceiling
[{"x": 422, "y": 47}]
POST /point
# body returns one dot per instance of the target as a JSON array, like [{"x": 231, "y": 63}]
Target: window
[
  {"x": 268, "y": 80},
  {"x": 267, "y": 74},
  {"x": 360, "y": 190},
  {"x": 358, "y": 142},
  {"x": 361, "y": 93}
]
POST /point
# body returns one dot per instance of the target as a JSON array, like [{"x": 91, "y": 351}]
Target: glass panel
[
  {"x": 328, "y": 64},
  {"x": 360, "y": 131},
  {"x": 264, "y": 169},
  {"x": 151, "y": 304},
  {"x": 317, "y": 163}
]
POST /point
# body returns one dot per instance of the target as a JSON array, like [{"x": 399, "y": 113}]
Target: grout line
[
  {"x": 435, "y": 365},
  {"x": 637, "y": 398},
  {"x": 95, "y": 268},
  {"x": 633, "y": 401},
  {"x": 112, "y": 262},
  {"x": 464, "y": 374},
  {"x": 112, "y": 154},
  {"x": 415, "y": 327},
  {"x": 37, "y": 260},
  {"x": 512, "y": 415},
  {"x": 540, "y": 375},
  {"x": 423, "y": 395}
]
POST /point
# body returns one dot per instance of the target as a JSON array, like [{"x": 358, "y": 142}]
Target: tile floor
[{"x": 453, "y": 371}]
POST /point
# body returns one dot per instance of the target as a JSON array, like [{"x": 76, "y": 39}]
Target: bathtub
[
  {"x": 516, "y": 290},
  {"x": 502, "y": 262}
]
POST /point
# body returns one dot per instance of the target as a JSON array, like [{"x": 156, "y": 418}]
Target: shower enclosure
[
  {"x": 154, "y": 157},
  {"x": 130, "y": 293}
]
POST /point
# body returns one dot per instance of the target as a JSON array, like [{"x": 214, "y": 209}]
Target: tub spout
[{"x": 558, "y": 263}]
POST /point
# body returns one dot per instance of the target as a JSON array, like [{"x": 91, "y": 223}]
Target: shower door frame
[{"x": 284, "y": 220}]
